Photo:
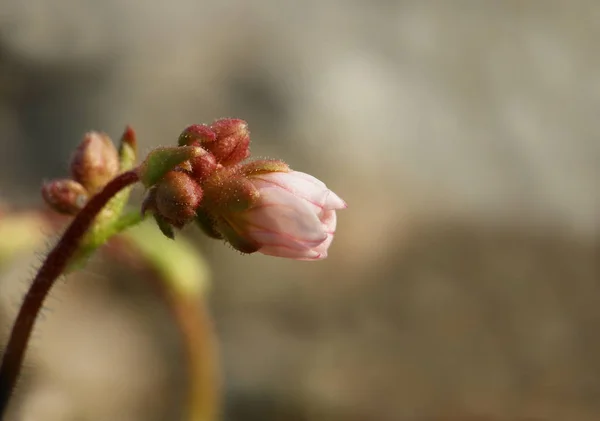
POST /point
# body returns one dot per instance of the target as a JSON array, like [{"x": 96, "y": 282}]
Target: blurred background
[{"x": 464, "y": 280}]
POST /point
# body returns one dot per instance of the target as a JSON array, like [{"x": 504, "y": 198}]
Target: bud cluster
[
  {"x": 212, "y": 155},
  {"x": 94, "y": 163},
  {"x": 259, "y": 205}
]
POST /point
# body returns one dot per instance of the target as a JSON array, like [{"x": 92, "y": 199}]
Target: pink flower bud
[
  {"x": 294, "y": 217},
  {"x": 232, "y": 141},
  {"x": 177, "y": 196},
  {"x": 95, "y": 162},
  {"x": 65, "y": 196}
]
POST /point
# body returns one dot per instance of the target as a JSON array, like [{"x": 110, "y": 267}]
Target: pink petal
[
  {"x": 309, "y": 178},
  {"x": 268, "y": 238},
  {"x": 298, "y": 186},
  {"x": 324, "y": 246},
  {"x": 329, "y": 221},
  {"x": 306, "y": 254},
  {"x": 333, "y": 201},
  {"x": 280, "y": 212}
]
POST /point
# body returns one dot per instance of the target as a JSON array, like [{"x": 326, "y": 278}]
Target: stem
[
  {"x": 179, "y": 275},
  {"x": 100, "y": 234},
  {"x": 55, "y": 264},
  {"x": 196, "y": 328}
]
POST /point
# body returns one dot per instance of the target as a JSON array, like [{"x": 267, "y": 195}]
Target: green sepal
[
  {"x": 237, "y": 241},
  {"x": 230, "y": 194},
  {"x": 263, "y": 166},
  {"x": 207, "y": 224},
  {"x": 164, "y": 226},
  {"x": 162, "y": 160},
  {"x": 127, "y": 158}
]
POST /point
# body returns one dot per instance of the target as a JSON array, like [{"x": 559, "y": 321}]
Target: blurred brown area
[{"x": 464, "y": 281}]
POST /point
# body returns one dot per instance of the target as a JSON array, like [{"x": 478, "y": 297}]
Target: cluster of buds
[
  {"x": 257, "y": 206},
  {"x": 94, "y": 163}
]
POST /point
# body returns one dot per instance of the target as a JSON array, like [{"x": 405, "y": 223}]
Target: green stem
[
  {"x": 100, "y": 234},
  {"x": 181, "y": 276}
]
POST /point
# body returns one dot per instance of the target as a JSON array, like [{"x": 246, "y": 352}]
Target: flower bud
[
  {"x": 280, "y": 213},
  {"x": 95, "y": 162},
  {"x": 65, "y": 196},
  {"x": 177, "y": 197},
  {"x": 203, "y": 166},
  {"x": 196, "y": 133},
  {"x": 232, "y": 141},
  {"x": 128, "y": 149}
]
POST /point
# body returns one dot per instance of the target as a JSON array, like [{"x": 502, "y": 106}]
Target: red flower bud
[
  {"x": 232, "y": 141},
  {"x": 196, "y": 133},
  {"x": 65, "y": 196},
  {"x": 203, "y": 165},
  {"x": 95, "y": 161},
  {"x": 177, "y": 197}
]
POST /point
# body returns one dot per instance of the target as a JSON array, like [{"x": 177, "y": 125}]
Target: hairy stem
[{"x": 55, "y": 264}]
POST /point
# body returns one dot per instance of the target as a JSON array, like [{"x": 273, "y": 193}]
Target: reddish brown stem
[{"x": 54, "y": 265}]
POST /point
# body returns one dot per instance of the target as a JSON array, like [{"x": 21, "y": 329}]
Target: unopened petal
[
  {"x": 329, "y": 221},
  {"x": 333, "y": 201},
  {"x": 309, "y": 178},
  {"x": 298, "y": 186},
  {"x": 278, "y": 251},
  {"x": 279, "y": 211},
  {"x": 322, "y": 248},
  {"x": 269, "y": 238}
]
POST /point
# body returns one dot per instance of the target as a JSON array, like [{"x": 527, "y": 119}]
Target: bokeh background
[{"x": 464, "y": 283}]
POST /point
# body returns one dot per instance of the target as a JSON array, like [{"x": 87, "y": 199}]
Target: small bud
[
  {"x": 232, "y": 141},
  {"x": 128, "y": 149},
  {"x": 95, "y": 161},
  {"x": 203, "y": 166},
  {"x": 65, "y": 196},
  {"x": 196, "y": 133},
  {"x": 162, "y": 160},
  {"x": 177, "y": 197},
  {"x": 129, "y": 138}
]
